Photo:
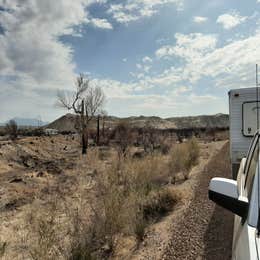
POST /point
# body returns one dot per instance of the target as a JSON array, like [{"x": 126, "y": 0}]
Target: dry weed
[
  {"x": 131, "y": 197},
  {"x": 3, "y": 246},
  {"x": 183, "y": 157}
]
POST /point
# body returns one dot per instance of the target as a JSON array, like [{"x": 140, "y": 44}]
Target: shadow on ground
[{"x": 218, "y": 237}]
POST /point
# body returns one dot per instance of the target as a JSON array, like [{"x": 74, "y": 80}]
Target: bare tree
[
  {"x": 103, "y": 115},
  {"x": 86, "y": 102},
  {"x": 12, "y": 129}
]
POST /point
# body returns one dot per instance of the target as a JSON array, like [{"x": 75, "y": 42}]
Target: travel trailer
[
  {"x": 243, "y": 123},
  {"x": 241, "y": 196}
]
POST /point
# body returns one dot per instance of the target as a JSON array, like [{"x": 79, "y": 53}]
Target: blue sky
[{"x": 151, "y": 57}]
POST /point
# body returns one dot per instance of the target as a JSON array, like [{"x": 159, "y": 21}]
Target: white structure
[
  {"x": 242, "y": 197},
  {"x": 243, "y": 123},
  {"x": 49, "y": 131}
]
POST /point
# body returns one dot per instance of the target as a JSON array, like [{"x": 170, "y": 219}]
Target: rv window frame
[
  {"x": 247, "y": 102},
  {"x": 253, "y": 144},
  {"x": 249, "y": 189}
]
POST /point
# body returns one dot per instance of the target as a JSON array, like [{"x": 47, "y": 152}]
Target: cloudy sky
[{"x": 151, "y": 57}]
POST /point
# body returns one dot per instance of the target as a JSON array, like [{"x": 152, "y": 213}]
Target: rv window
[{"x": 250, "y": 117}]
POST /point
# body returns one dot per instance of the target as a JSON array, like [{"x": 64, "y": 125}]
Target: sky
[{"x": 150, "y": 57}]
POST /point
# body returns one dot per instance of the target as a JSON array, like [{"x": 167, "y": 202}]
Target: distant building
[{"x": 50, "y": 131}]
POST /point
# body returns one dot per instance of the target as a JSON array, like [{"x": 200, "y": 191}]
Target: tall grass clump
[
  {"x": 59, "y": 230},
  {"x": 194, "y": 151},
  {"x": 131, "y": 197},
  {"x": 183, "y": 157}
]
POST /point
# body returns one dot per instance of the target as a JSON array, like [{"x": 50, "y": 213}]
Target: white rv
[{"x": 243, "y": 123}]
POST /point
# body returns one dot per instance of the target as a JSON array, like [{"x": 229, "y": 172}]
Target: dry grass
[
  {"x": 3, "y": 246},
  {"x": 59, "y": 230},
  {"x": 183, "y": 157},
  {"x": 129, "y": 196}
]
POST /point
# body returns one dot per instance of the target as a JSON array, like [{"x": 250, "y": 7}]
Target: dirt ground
[
  {"x": 197, "y": 228},
  {"x": 33, "y": 169}
]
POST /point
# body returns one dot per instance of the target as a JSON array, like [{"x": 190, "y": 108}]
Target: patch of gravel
[{"x": 205, "y": 230}]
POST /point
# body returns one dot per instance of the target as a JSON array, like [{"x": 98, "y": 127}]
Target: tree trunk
[
  {"x": 84, "y": 129},
  {"x": 97, "y": 141},
  {"x": 103, "y": 127},
  {"x": 84, "y": 142}
]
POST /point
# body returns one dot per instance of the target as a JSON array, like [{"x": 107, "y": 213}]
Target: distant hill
[
  {"x": 67, "y": 122},
  {"x": 27, "y": 122},
  {"x": 64, "y": 123},
  {"x": 204, "y": 121}
]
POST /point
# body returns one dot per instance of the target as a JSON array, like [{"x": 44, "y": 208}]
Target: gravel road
[{"x": 205, "y": 231}]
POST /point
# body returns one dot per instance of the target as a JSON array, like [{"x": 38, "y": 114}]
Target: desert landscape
[
  {"x": 115, "y": 117},
  {"x": 138, "y": 194}
]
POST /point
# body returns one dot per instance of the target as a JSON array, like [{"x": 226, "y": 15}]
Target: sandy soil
[
  {"x": 196, "y": 228},
  {"x": 34, "y": 171}
]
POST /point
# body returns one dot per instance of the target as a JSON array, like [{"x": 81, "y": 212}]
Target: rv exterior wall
[{"x": 239, "y": 143}]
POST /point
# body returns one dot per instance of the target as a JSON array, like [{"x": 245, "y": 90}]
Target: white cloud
[
  {"x": 233, "y": 65},
  {"x": 129, "y": 98},
  {"x": 143, "y": 67},
  {"x": 114, "y": 89},
  {"x": 134, "y": 10},
  {"x": 231, "y": 20},
  {"x": 32, "y": 58},
  {"x": 200, "y": 19},
  {"x": 139, "y": 66},
  {"x": 189, "y": 46},
  {"x": 147, "y": 59},
  {"x": 230, "y": 66},
  {"x": 30, "y": 46},
  {"x": 101, "y": 23}
]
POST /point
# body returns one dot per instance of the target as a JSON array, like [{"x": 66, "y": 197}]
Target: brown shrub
[
  {"x": 165, "y": 147},
  {"x": 183, "y": 157},
  {"x": 131, "y": 197},
  {"x": 59, "y": 230},
  {"x": 194, "y": 152},
  {"x": 42, "y": 227},
  {"x": 158, "y": 204},
  {"x": 123, "y": 138},
  {"x": 11, "y": 129}
]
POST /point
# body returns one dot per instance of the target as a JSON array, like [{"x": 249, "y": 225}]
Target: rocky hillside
[
  {"x": 212, "y": 121},
  {"x": 67, "y": 122}
]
